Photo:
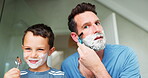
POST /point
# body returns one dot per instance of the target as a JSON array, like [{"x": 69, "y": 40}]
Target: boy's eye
[
  {"x": 27, "y": 48},
  {"x": 40, "y": 49}
]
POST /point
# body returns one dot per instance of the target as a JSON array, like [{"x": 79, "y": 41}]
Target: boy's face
[{"x": 36, "y": 50}]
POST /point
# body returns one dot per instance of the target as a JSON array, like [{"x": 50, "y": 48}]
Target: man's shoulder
[
  {"x": 73, "y": 56},
  {"x": 119, "y": 49},
  {"x": 115, "y": 46},
  {"x": 71, "y": 59}
]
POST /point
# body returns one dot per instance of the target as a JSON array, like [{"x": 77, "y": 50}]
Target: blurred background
[{"x": 125, "y": 22}]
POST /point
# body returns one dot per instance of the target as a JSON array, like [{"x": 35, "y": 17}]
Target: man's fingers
[
  {"x": 80, "y": 52},
  {"x": 80, "y": 45}
]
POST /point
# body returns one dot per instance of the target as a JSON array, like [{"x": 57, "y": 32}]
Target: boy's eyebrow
[{"x": 25, "y": 46}]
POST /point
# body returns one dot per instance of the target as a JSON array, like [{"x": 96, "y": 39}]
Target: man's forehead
[{"x": 86, "y": 17}]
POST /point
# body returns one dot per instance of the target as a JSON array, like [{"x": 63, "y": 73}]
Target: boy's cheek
[{"x": 26, "y": 55}]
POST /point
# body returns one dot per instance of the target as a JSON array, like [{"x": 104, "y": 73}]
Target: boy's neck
[{"x": 41, "y": 68}]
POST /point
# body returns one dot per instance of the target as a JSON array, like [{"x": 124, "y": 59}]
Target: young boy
[{"x": 37, "y": 44}]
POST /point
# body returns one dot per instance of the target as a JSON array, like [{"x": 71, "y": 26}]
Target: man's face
[
  {"x": 89, "y": 24},
  {"x": 36, "y": 49}
]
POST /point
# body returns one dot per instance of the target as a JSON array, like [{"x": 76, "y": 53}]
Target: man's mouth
[
  {"x": 33, "y": 61},
  {"x": 100, "y": 37}
]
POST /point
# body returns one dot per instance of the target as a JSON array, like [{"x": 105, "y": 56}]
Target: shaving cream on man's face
[
  {"x": 96, "y": 41},
  {"x": 35, "y": 63}
]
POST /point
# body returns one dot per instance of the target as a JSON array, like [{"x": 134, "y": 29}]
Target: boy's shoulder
[{"x": 52, "y": 71}]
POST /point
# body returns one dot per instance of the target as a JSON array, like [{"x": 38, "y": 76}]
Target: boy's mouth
[{"x": 33, "y": 61}]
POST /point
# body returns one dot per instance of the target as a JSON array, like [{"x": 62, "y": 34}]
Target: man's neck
[{"x": 100, "y": 54}]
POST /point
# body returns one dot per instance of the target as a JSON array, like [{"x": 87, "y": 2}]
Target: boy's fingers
[{"x": 14, "y": 71}]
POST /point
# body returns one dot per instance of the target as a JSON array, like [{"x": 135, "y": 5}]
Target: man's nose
[{"x": 97, "y": 29}]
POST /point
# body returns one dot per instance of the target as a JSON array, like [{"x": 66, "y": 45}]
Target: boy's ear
[
  {"x": 22, "y": 47},
  {"x": 51, "y": 51},
  {"x": 74, "y": 36}
]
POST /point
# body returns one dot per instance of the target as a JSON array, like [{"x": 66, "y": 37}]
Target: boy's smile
[{"x": 33, "y": 61}]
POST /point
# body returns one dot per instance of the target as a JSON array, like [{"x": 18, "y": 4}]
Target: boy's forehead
[
  {"x": 29, "y": 33},
  {"x": 29, "y": 37}
]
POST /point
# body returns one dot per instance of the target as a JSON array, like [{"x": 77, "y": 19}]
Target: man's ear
[
  {"x": 74, "y": 36},
  {"x": 51, "y": 51}
]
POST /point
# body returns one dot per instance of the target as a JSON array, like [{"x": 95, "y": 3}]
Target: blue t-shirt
[
  {"x": 120, "y": 62},
  {"x": 52, "y": 73}
]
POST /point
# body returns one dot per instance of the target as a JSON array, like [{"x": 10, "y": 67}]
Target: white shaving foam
[
  {"x": 96, "y": 45},
  {"x": 41, "y": 60}
]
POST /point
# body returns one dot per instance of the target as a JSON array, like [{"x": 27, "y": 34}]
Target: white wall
[{"x": 135, "y": 37}]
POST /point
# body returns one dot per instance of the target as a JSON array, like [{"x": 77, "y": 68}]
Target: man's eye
[
  {"x": 86, "y": 27},
  {"x": 97, "y": 23}
]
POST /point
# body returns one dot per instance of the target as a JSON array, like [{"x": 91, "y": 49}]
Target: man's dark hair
[
  {"x": 80, "y": 8},
  {"x": 41, "y": 30}
]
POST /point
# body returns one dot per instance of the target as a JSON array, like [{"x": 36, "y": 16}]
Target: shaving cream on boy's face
[
  {"x": 35, "y": 62},
  {"x": 96, "y": 41}
]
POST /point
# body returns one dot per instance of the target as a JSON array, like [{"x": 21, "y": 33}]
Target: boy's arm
[{"x": 12, "y": 73}]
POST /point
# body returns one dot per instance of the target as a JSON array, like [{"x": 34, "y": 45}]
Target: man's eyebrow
[
  {"x": 98, "y": 20},
  {"x": 85, "y": 24}
]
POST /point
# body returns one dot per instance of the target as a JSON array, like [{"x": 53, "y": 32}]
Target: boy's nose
[{"x": 33, "y": 54}]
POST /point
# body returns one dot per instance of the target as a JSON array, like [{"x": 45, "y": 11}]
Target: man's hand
[
  {"x": 12, "y": 73},
  {"x": 92, "y": 62},
  {"x": 85, "y": 72},
  {"x": 88, "y": 57}
]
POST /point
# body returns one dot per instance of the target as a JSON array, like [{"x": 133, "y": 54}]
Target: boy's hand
[{"x": 12, "y": 73}]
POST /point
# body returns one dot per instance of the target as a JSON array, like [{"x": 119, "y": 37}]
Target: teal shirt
[
  {"x": 52, "y": 73},
  {"x": 120, "y": 62}
]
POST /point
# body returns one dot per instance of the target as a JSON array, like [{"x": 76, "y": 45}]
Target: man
[
  {"x": 94, "y": 58},
  {"x": 37, "y": 44}
]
